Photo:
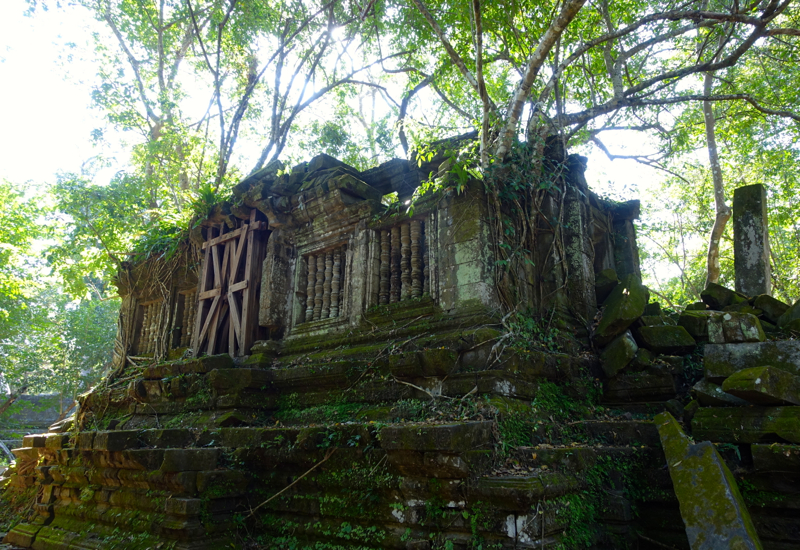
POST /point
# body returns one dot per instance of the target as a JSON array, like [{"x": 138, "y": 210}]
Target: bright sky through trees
[{"x": 48, "y": 118}]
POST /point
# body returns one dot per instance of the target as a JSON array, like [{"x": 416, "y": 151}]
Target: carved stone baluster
[
  {"x": 426, "y": 283},
  {"x": 319, "y": 286},
  {"x": 326, "y": 286},
  {"x": 383, "y": 293},
  {"x": 336, "y": 281},
  {"x": 405, "y": 262},
  {"x": 311, "y": 269},
  {"x": 416, "y": 259},
  {"x": 394, "y": 280}
]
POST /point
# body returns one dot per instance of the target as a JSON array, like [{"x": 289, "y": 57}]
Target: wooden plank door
[{"x": 227, "y": 294}]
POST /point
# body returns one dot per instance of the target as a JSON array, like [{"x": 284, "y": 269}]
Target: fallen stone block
[
  {"x": 695, "y": 322},
  {"x": 618, "y": 353},
  {"x": 722, "y": 360},
  {"x": 713, "y": 511},
  {"x": 743, "y": 307},
  {"x": 734, "y": 328},
  {"x": 709, "y": 394},
  {"x": 747, "y": 424},
  {"x": 717, "y": 296},
  {"x": 771, "y": 308},
  {"x": 669, "y": 340},
  {"x": 604, "y": 283},
  {"x": 764, "y": 386},
  {"x": 777, "y": 457},
  {"x": 790, "y": 315},
  {"x": 792, "y": 326},
  {"x": 653, "y": 320},
  {"x": 624, "y": 305},
  {"x": 696, "y": 306}
]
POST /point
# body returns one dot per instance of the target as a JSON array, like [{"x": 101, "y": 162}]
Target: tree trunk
[
  {"x": 12, "y": 398},
  {"x": 723, "y": 211}
]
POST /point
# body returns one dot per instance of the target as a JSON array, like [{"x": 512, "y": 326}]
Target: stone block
[
  {"x": 709, "y": 394},
  {"x": 751, "y": 240},
  {"x": 717, "y": 296},
  {"x": 116, "y": 440},
  {"x": 722, "y": 360},
  {"x": 643, "y": 359},
  {"x": 618, "y": 353},
  {"x": 23, "y": 534},
  {"x": 226, "y": 381},
  {"x": 791, "y": 314},
  {"x": 190, "y": 460},
  {"x": 713, "y": 510},
  {"x": 764, "y": 386},
  {"x": 169, "y": 437},
  {"x": 432, "y": 464},
  {"x": 34, "y": 440},
  {"x": 55, "y": 442},
  {"x": 695, "y": 322},
  {"x": 696, "y": 306},
  {"x": 743, "y": 307},
  {"x": 183, "y": 506},
  {"x": 624, "y": 305},
  {"x": 653, "y": 320},
  {"x": 221, "y": 483},
  {"x": 669, "y": 340},
  {"x": 453, "y": 438},
  {"x": 520, "y": 493},
  {"x": 776, "y": 457},
  {"x": 734, "y": 328},
  {"x": 604, "y": 283},
  {"x": 747, "y": 424},
  {"x": 653, "y": 308}
]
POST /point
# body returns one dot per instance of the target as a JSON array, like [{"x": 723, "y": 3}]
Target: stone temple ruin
[{"x": 317, "y": 369}]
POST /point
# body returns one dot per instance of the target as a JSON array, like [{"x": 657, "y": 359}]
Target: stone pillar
[
  {"x": 626, "y": 251},
  {"x": 751, "y": 240}
]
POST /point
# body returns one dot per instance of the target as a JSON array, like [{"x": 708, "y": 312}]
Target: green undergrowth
[
  {"x": 15, "y": 506},
  {"x": 550, "y": 416},
  {"x": 584, "y": 512}
]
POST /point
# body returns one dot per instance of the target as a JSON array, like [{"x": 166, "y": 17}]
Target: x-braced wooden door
[{"x": 227, "y": 293}]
